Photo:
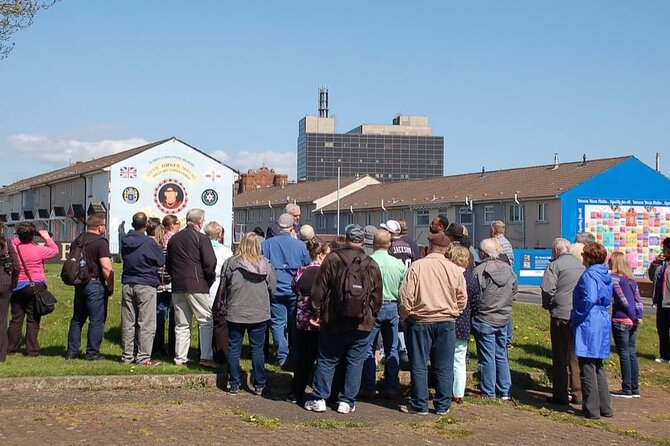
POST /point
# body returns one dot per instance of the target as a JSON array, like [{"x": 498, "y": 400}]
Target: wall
[
  {"x": 603, "y": 205},
  {"x": 139, "y": 182}
]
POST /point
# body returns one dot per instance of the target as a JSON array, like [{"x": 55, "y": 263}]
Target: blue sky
[{"x": 506, "y": 83}]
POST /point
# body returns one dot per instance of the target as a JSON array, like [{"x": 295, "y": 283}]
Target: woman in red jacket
[{"x": 31, "y": 268}]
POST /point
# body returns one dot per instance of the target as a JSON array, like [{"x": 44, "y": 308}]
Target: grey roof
[{"x": 85, "y": 167}]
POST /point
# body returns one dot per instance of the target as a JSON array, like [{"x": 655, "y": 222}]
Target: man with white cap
[
  {"x": 399, "y": 249},
  {"x": 286, "y": 254}
]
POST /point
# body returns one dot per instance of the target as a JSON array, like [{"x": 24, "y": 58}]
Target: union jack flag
[{"x": 128, "y": 172}]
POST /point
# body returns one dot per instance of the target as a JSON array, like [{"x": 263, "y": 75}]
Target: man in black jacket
[
  {"x": 141, "y": 259},
  {"x": 191, "y": 263}
]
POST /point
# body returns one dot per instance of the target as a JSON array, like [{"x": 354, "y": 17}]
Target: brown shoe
[{"x": 209, "y": 363}]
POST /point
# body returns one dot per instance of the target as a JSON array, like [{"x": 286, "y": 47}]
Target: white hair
[
  {"x": 489, "y": 246},
  {"x": 195, "y": 216},
  {"x": 498, "y": 227},
  {"x": 585, "y": 238},
  {"x": 291, "y": 208},
  {"x": 561, "y": 246}
]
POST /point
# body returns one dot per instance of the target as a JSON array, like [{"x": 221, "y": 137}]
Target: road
[{"x": 532, "y": 295}]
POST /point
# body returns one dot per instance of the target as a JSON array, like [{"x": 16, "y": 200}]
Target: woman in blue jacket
[{"x": 592, "y": 328}]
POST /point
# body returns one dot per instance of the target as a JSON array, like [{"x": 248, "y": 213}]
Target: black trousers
[
  {"x": 5, "y": 295},
  {"x": 23, "y": 303},
  {"x": 663, "y": 327},
  {"x": 595, "y": 388},
  {"x": 564, "y": 368},
  {"x": 306, "y": 350}
]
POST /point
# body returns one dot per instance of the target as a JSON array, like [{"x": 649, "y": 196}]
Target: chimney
[
  {"x": 555, "y": 161},
  {"x": 658, "y": 162},
  {"x": 323, "y": 102},
  {"x": 584, "y": 160},
  {"x": 483, "y": 172}
]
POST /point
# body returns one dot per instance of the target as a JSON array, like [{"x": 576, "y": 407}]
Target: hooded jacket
[
  {"x": 141, "y": 259},
  {"x": 249, "y": 287},
  {"x": 590, "y": 319},
  {"x": 498, "y": 285}
]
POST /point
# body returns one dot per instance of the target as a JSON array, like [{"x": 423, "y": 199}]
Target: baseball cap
[
  {"x": 456, "y": 231},
  {"x": 285, "y": 221},
  {"x": 355, "y": 234},
  {"x": 370, "y": 232},
  {"x": 306, "y": 233},
  {"x": 439, "y": 239},
  {"x": 391, "y": 226}
]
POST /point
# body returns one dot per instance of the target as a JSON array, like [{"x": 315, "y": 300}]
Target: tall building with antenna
[{"x": 403, "y": 150}]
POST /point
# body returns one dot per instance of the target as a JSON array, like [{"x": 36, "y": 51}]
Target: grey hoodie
[
  {"x": 498, "y": 284},
  {"x": 250, "y": 286}
]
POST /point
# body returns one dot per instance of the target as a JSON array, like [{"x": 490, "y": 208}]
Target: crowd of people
[{"x": 336, "y": 309}]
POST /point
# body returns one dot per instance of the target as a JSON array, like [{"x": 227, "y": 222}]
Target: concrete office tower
[{"x": 404, "y": 150}]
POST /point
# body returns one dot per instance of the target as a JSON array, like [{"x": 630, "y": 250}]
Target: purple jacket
[{"x": 626, "y": 300}]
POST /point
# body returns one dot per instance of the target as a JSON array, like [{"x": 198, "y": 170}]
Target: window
[
  {"x": 488, "y": 214},
  {"x": 515, "y": 213},
  {"x": 422, "y": 218},
  {"x": 465, "y": 215},
  {"x": 368, "y": 218},
  {"x": 351, "y": 218},
  {"x": 542, "y": 212},
  {"x": 322, "y": 221}
]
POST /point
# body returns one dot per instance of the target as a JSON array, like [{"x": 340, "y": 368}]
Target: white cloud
[
  {"x": 62, "y": 150},
  {"x": 281, "y": 162}
]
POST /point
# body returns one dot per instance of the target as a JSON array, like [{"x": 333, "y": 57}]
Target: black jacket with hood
[{"x": 191, "y": 261}]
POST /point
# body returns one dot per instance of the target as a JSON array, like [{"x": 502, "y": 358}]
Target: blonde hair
[
  {"x": 214, "y": 230},
  {"x": 165, "y": 227},
  {"x": 619, "y": 265},
  {"x": 459, "y": 255},
  {"x": 249, "y": 247}
]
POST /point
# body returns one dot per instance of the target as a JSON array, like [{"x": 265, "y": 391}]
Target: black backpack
[
  {"x": 76, "y": 269},
  {"x": 355, "y": 286}
]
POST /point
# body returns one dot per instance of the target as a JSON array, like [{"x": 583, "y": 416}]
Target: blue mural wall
[{"x": 626, "y": 206}]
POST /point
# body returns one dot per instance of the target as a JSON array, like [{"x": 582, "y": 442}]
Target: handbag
[{"x": 44, "y": 301}]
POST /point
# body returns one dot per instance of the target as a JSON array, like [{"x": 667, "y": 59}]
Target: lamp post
[{"x": 339, "y": 167}]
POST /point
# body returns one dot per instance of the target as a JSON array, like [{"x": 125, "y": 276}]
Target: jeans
[
  {"x": 164, "y": 311},
  {"x": 256, "y": 333},
  {"x": 492, "y": 364},
  {"x": 434, "y": 341},
  {"x": 460, "y": 373},
  {"x": 624, "y": 339},
  {"x": 283, "y": 310},
  {"x": 509, "y": 330},
  {"x": 90, "y": 301},
  {"x": 138, "y": 321},
  {"x": 387, "y": 324},
  {"x": 351, "y": 348}
]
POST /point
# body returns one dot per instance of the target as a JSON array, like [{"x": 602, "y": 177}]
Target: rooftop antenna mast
[{"x": 323, "y": 101}]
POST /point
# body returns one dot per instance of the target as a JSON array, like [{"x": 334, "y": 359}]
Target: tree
[{"x": 16, "y": 15}]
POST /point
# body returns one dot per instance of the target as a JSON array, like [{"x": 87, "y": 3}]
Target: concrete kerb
[{"x": 111, "y": 382}]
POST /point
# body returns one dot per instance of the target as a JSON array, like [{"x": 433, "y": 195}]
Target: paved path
[{"x": 209, "y": 416}]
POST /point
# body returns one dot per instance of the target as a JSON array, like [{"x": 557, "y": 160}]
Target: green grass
[
  {"x": 530, "y": 357},
  {"x": 335, "y": 424},
  {"x": 53, "y": 342}
]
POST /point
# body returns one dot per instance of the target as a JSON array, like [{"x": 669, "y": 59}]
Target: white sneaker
[
  {"x": 661, "y": 361},
  {"x": 343, "y": 407},
  {"x": 316, "y": 405}
]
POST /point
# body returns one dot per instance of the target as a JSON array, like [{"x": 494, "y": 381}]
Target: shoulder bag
[{"x": 45, "y": 301}]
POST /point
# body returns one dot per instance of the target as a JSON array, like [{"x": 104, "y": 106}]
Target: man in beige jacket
[{"x": 432, "y": 296}]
